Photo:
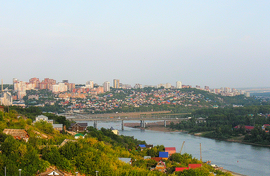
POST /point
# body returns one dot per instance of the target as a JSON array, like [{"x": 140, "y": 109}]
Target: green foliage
[
  {"x": 219, "y": 123},
  {"x": 20, "y": 155},
  {"x": 44, "y": 126},
  {"x": 108, "y": 136},
  {"x": 58, "y": 119}
]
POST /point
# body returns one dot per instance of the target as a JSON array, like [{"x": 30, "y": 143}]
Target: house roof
[
  {"x": 194, "y": 166},
  {"x": 57, "y": 125},
  {"x": 163, "y": 154},
  {"x": 80, "y": 124},
  {"x": 149, "y": 146},
  {"x": 169, "y": 148},
  {"x": 21, "y": 133},
  {"x": 156, "y": 158},
  {"x": 249, "y": 127},
  {"x": 147, "y": 157},
  {"x": 142, "y": 145},
  {"x": 126, "y": 160},
  {"x": 79, "y": 134},
  {"x": 42, "y": 116},
  {"x": 180, "y": 168},
  {"x": 246, "y": 127}
]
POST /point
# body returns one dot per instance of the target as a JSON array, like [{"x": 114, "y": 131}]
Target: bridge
[{"x": 137, "y": 116}]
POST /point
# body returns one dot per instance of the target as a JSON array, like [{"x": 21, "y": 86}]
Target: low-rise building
[
  {"x": 78, "y": 127},
  {"x": 44, "y": 118},
  {"x": 170, "y": 150},
  {"x": 58, "y": 127},
  {"x": 20, "y": 134}
]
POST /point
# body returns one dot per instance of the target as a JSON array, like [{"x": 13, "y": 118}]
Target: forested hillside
[{"x": 98, "y": 151}]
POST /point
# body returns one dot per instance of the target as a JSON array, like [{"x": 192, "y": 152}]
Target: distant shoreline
[{"x": 158, "y": 126}]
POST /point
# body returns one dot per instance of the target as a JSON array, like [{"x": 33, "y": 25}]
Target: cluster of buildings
[
  {"x": 67, "y": 91},
  {"x": 161, "y": 159},
  {"x": 135, "y": 99},
  {"x": 20, "y": 87}
]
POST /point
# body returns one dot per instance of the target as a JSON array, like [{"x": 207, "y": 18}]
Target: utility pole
[{"x": 200, "y": 151}]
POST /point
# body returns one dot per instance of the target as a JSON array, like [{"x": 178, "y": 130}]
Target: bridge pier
[
  {"x": 165, "y": 123},
  {"x": 122, "y": 125},
  {"x": 95, "y": 124},
  {"x": 142, "y": 124}
]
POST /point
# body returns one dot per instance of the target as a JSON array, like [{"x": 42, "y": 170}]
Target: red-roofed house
[
  {"x": 157, "y": 159},
  {"x": 248, "y": 128},
  {"x": 190, "y": 166},
  {"x": 2, "y": 108},
  {"x": 170, "y": 150},
  {"x": 194, "y": 166},
  {"x": 181, "y": 168}
]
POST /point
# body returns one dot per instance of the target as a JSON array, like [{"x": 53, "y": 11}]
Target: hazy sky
[{"x": 219, "y": 43}]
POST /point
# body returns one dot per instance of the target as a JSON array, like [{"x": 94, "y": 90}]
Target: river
[{"x": 241, "y": 158}]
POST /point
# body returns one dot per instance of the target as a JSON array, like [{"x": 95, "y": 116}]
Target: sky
[{"x": 212, "y": 43}]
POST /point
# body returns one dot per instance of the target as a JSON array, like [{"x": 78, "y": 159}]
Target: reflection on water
[{"x": 241, "y": 158}]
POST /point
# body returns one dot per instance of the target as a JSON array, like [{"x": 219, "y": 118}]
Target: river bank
[{"x": 159, "y": 126}]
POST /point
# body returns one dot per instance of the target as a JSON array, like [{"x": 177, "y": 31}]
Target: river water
[{"x": 241, "y": 158}]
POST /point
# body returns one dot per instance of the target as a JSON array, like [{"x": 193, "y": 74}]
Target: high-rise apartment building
[
  {"x": 106, "y": 86},
  {"x": 168, "y": 86},
  {"x": 35, "y": 82},
  {"x": 138, "y": 86},
  {"x": 60, "y": 87},
  {"x": 116, "y": 83},
  {"x": 178, "y": 84},
  {"x": 89, "y": 84},
  {"x": 6, "y": 98}
]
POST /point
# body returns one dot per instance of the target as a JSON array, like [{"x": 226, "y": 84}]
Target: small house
[
  {"x": 20, "y": 134},
  {"x": 160, "y": 166},
  {"x": 164, "y": 155},
  {"x": 149, "y": 146},
  {"x": 194, "y": 166},
  {"x": 58, "y": 127},
  {"x": 78, "y": 135},
  {"x": 170, "y": 150},
  {"x": 78, "y": 127},
  {"x": 147, "y": 157},
  {"x": 190, "y": 166},
  {"x": 180, "y": 169},
  {"x": 248, "y": 128},
  {"x": 44, "y": 118},
  {"x": 157, "y": 159},
  {"x": 126, "y": 160},
  {"x": 142, "y": 146}
]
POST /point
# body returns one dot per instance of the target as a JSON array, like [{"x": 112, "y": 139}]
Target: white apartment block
[
  {"x": 89, "y": 84},
  {"x": 60, "y": 87},
  {"x": 138, "y": 86},
  {"x": 168, "y": 86},
  {"x": 178, "y": 84},
  {"x": 106, "y": 86}
]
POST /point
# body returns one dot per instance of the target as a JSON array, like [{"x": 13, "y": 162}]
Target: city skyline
[
  {"x": 52, "y": 84},
  {"x": 176, "y": 84},
  {"x": 213, "y": 43}
]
